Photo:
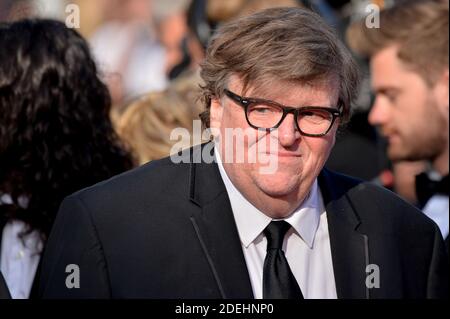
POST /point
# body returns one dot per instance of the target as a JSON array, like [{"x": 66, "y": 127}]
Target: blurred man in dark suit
[{"x": 410, "y": 77}]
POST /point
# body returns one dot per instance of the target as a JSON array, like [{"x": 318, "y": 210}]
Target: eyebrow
[
  {"x": 387, "y": 90},
  {"x": 256, "y": 99}
]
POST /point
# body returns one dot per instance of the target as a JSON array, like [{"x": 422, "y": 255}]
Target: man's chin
[
  {"x": 404, "y": 156},
  {"x": 278, "y": 189},
  {"x": 396, "y": 154}
]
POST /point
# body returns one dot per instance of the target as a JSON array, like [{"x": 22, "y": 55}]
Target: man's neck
[{"x": 440, "y": 163}]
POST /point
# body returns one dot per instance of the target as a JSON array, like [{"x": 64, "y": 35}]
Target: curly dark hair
[{"x": 56, "y": 135}]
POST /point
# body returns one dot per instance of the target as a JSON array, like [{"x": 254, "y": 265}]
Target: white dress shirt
[
  {"x": 19, "y": 258},
  {"x": 306, "y": 245},
  {"x": 437, "y": 208}
]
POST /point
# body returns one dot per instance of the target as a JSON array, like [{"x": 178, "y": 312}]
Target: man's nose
[
  {"x": 287, "y": 131},
  {"x": 379, "y": 113}
]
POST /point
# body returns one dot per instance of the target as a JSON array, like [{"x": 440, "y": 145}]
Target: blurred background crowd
[{"x": 147, "y": 53}]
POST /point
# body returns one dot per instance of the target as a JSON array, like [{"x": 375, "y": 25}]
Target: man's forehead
[
  {"x": 387, "y": 61},
  {"x": 272, "y": 87},
  {"x": 389, "y": 72},
  {"x": 277, "y": 89}
]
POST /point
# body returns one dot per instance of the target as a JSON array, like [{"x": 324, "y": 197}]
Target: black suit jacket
[
  {"x": 166, "y": 230},
  {"x": 4, "y": 292}
]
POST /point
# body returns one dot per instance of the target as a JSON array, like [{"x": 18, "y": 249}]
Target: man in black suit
[
  {"x": 410, "y": 78},
  {"x": 252, "y": 214}
]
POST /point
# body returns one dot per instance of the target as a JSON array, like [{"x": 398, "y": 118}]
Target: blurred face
[
  {"x": 294, "y": 160},
  {"x": 137, "y": 10},
  {"x": 171, "y": 32},
  {"x": 411, "y": 115}
]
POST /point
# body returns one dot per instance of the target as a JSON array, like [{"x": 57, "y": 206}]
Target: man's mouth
[{"x": 284, "y": 154}]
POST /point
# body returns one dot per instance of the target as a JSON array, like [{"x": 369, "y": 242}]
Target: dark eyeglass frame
[{"x": 245, "y": 102}]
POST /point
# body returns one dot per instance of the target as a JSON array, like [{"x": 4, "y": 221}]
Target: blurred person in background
[
  {"x": 56, "y": 137},
  {"x": 361, "y": 137},
  {"x": 147, "y": 124},
  {"x": 11, "y": 10},
  {"x": 128, "y": 50},
  {"x": 92, "y": 15},
  {"x": 410, "y": 77},
  {"x": 358, "y": 136},
  {"x": 171, "y": 26}
]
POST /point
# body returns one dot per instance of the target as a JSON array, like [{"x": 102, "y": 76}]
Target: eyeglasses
[{"x": 267, "y": 115}]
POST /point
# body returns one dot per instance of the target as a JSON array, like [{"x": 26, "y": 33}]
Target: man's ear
[{"x": 216, "y": 111}]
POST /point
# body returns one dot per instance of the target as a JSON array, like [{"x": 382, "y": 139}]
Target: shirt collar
[{"x": 251, "y": 222}]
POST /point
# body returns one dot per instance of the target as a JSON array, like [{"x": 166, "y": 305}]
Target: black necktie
[
  {"x": 426, "y": 188},
  {"x": 278, "y": 280}
]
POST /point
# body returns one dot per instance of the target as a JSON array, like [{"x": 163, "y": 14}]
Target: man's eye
[
  {"x": 315, "y": 115},
  {"x": 263, "y": 109},
  {"x": 391, "y": 97}
]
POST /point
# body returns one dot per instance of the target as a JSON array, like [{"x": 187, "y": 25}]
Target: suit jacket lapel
[
  {"x": 349, "y": 248},
  {"x": 217, "y": 231}
]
